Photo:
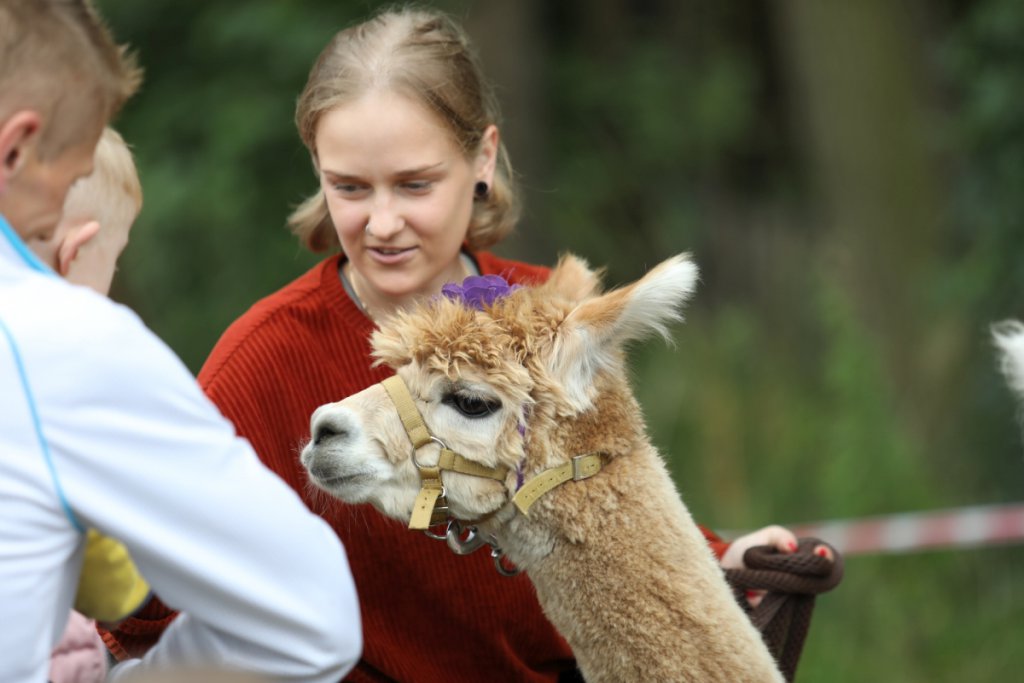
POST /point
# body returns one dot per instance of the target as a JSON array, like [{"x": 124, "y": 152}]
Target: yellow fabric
[
  {"x": 110, "y": 588},
  {"x": 580, "y": 467}
]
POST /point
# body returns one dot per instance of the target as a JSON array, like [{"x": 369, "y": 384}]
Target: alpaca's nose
[
  {"x": 321, "y": 426},
  {"x": 325, "y": 428},
  {"x": 325, "y": 431}
]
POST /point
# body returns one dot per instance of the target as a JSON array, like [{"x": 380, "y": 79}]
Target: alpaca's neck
[{"x": 630, "y": 582}]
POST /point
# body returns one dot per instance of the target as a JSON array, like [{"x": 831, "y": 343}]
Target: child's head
[
  {"x": 98, "y": 213},
  {"x": 425, "y": 56},
  {"x": 62, "y": 78}
]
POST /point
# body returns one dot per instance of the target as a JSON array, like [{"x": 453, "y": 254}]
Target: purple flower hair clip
[{"x": 478, "y": 291}]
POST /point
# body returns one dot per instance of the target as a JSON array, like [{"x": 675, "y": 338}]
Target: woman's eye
[
  {"x": 418, "y": 186},
  {"x": 348, "y": 188},
  {"x": 471, "y": 406}
]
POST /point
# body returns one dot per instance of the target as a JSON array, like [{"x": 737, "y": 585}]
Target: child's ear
[
  {"x": 17, "y": 134},
  {"x": 77, "y": 237}
]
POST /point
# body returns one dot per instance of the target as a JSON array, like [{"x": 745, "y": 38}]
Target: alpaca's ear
[
  {"x": 1009, "y": 339},
  {"x": 572, "y": 279},
  {"x": 594, "y": 333}
]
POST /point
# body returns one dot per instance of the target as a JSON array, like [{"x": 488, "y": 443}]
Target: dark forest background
[{"x": 848, "y": 176}]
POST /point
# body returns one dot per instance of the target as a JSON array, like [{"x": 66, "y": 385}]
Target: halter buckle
[{"x": 585, "y": 466}]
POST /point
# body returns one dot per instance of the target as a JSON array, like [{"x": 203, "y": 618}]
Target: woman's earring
[{"x": 481, "y": 190}]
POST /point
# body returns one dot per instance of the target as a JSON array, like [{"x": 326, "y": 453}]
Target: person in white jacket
[{"x": 101, "y": 426}]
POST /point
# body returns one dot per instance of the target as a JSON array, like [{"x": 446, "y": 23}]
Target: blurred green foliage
[{"x": 846, "y": 175}]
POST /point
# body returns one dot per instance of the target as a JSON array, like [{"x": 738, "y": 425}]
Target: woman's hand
[{"x": 780, "y": 538}]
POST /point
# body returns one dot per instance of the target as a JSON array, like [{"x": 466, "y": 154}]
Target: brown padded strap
[{"x": 792, "y": 581}]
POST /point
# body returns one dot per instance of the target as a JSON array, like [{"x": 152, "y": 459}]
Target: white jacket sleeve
[{"x": 143, "y": 456}]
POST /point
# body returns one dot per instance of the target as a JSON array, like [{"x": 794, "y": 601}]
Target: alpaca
[
  {"x": 1009, "y": 339},
  {"x": 524, "y": 429}
]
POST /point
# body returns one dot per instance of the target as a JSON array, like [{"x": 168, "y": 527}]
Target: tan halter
[
  {"x": 431, "y": 506},
  {"x": 579, "y": 467}
]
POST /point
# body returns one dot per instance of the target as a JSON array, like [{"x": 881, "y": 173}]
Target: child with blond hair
[{"x": 98, "y": 213}]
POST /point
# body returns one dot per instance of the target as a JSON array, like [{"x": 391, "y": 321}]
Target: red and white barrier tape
[{"x": 913, "y": 531}]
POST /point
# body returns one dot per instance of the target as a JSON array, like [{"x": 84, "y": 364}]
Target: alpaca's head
[{"x": 514, "y": 387}]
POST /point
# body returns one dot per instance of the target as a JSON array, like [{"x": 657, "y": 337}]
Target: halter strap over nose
[
  {"x": 411, "y": 419},
  {"x": 430, "y": 507}
]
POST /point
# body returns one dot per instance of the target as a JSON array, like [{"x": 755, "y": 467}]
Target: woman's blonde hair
[{"x": 425, "y": 55}]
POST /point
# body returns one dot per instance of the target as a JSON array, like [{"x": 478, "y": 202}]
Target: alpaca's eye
[{"x": 471, "y": 406}]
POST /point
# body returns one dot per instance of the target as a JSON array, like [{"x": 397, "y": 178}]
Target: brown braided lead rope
[{"x": 792, "y": 580}]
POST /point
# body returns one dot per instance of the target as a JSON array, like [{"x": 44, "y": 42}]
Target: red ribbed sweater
[{"x": 428, "y": 615}]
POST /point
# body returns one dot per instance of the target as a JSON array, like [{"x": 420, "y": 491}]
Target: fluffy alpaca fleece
[
  {"x": 1009, "y": 339},
  {"x": 619, "y": 565}
]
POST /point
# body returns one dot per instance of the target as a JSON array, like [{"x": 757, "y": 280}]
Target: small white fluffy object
[{"x": 1009, "y": 339}]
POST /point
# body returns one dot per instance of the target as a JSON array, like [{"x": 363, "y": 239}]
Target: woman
[{"x": 414, "y": 184}]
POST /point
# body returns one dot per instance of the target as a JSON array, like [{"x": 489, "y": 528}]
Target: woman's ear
[
  {"x": 487, "y": 157},
  {"x": 17, "y": 135}
]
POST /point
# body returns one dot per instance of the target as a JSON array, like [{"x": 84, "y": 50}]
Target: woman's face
[{"x": 388, "y": 161}]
